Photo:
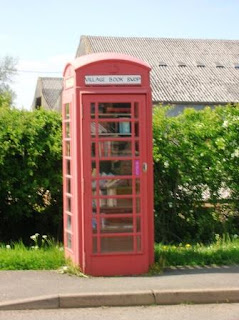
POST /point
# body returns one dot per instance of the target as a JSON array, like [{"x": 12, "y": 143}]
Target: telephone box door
[{"x": 114, "y": 170}]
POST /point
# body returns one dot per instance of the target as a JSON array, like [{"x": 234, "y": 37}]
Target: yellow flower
[{"x": 188, "y": 246}]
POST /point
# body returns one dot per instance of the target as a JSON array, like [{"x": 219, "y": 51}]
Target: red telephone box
[{"x": 107, "y": 164}]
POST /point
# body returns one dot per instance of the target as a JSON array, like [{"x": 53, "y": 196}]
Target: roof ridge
[{"x": 160, "y": 38}]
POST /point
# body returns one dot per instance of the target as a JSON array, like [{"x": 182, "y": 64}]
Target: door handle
[{"x": 145, "y": 167}]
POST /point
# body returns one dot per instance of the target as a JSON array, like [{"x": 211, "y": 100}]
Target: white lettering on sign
[
  {"x": 112, "y": 79},
  {"x": 69, "y": 83}
]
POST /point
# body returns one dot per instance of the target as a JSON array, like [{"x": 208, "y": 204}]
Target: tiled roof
[
  {"x": 183, "y": 70},
  {"x": 49, "y": 89},
  {"x": 52, "y": 89}
]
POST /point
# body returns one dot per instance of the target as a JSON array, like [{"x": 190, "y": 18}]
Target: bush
[
  {"x": 196, "y": 160},
  {"x": 30, "y": 174}
]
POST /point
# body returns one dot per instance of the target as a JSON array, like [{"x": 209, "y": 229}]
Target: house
[
  {"x": 185, "y": 72},
  {"x": 48, "y": 93}
]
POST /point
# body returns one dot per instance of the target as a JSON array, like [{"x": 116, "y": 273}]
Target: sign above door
[{"x": 112, "y": 79}]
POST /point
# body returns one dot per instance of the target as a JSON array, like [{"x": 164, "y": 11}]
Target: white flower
[
  {"x": 36, "y": 247},
  {"x": 44, "y": 237},
  {"x": 166, "y": 164},
  {"x": 225, "y": 124},
  {"x": 65, "y": 268},
  {"x": 235, "y": 154},
  {"x": 33, "y": 237},
  {"x": 8, "y": 246}
]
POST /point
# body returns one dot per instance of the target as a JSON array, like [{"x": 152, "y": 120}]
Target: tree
[{"x": 7, "y": 72}]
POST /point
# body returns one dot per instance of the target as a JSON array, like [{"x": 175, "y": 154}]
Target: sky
[{"x": 44, "y": 35}]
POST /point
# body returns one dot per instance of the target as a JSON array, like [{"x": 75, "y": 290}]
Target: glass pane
[
  {"x": 68, "y": 241},
  {"x": 138, "y": 239},
  {"x": 116, "y": 187},
  {"x": 137, "y": 186},
  {"x": 67, "y": 129},
  {"x": 116, "y": 167},
  {"x": 136, "y": 110},
  {"x": 137, "y": 205},
  {"x": 138, "y": 224},
  {"x": 115, "y": 149},
  {"x": 67, "y": 111},
  {"x": 68, "y": 167},
  {"x": 94, "y": 225},
  {"x": 68, "y": 204},
  {"x": 94, "y": 205},
  {"x": 68, "y": 149},
  {"x": 116, "y": 225},
  {"x": 93, "y": 168},
  {"x": 136, "y": 129},
  {"x": 114, "y": 129},
  {"x": 137, "y": 148},
  {"x": 116, "y": 244},
  {"x": 68, "y": 222},
  {"x": 68, "y": 185},
  {"x": 92, "y": 110},
  {"x": 112, "y": 205},
  {"x": 93, "y": 149},
  {"x": 114, "y": 110},
  {"x": 94, "y": 245},
  {"x": 93, "y": 128}
]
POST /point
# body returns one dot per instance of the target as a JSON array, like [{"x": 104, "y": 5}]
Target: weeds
[
  {"x": 44, "y": 255},
  {"x": 225, "y": 251}
]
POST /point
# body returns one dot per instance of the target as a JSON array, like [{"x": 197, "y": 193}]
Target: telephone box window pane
[
  {"x": 114, "y": 129},
  {"x": 68, "y": 240},
  {"x": 115, "y": 149},
  {"x": 138, "y": 224},
  {"x": 138, "y": 240},
  {"x": 68, "y": 223},
  {"x": 68, "y": 205},
  {"x": 67, "y": 129},
  {"x": 93, "y": 128},
  {"x": 116, "y": 225},
  {"x": 67, "y": 111},
  {"x": 92, "y": 110},
  {"x": 68, "y": 185},
  {"x": 68, "y": 167},
  {"x": 93, "y": 149},
  {"x": 136, "y": 129},
  {"x": 116, "y": 167},
  {"x": 94, "y": 245},
  {"x": 116, "y": 187},
  {"x": 136, "y": 110},
  {"x": 94, "y": 206},
  {"x": 114, "y": 110},
  {"x": 68, "y": 149},
  {"x": 137, "y": 186},
  {"x": 116, "y": 244},
  {"x": 137, "y": 148},
  {"x": 94, "y": 225},
  {"x": 116, "y": 206},
  {"x": 137, "y": 205},
  {"x": 93, "y": 169}
]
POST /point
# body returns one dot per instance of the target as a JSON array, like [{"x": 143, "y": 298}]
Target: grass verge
[
  {"x": 20, "y": 257},
  {"x": 51, "y": 256},
  {"x": 220, "y": 253}
]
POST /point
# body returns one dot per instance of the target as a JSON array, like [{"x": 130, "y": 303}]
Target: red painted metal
[{"x": 107, "y": 166}]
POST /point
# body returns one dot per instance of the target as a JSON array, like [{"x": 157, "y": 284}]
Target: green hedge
[
  {"x": 30, "y": 174},
  {"x": 196, "y": 158}
]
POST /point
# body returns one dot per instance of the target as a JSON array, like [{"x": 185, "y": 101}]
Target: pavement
[{"x": 50, "y": 289}]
